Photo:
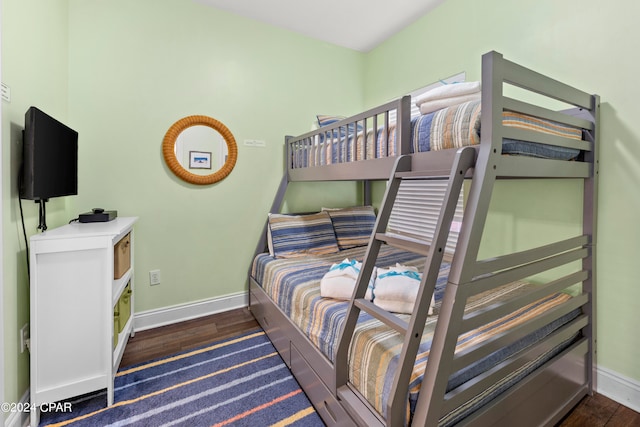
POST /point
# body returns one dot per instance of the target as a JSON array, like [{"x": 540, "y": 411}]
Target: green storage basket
[{"x": 124, "y": 306}]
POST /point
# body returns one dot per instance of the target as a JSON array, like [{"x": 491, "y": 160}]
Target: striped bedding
[
  {"x": 344, "y": 150},
  {"x": 293, "y": 284},
  {"x": 459, "y": 126},
  {"x": 452, "y": 127}
]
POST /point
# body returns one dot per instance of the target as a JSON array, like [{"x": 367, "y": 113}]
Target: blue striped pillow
[
  {"x": 353, "y": 226},
  {"x": 299, "y": 235},
  {"x": 326, "y": 120}
]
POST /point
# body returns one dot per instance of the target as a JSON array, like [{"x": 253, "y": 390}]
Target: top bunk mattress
[
  {"x": 447, "y": 128},
  {"x": 459, "y": 126}
]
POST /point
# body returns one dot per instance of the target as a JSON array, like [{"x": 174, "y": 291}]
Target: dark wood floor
[
  {"x": 166, "y": 340},
  {"x": 593, "y": 411}
]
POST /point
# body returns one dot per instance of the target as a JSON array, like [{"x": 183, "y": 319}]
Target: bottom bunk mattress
[{"x": 293, "y": 284}]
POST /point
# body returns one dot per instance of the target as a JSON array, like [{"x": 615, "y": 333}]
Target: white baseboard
[
  {"x": 20, "y": 419},
  {"x": 178, "y": 313},
  {"x": 623, "y": 390}
]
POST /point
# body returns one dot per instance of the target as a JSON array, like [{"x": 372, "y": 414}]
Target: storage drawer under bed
[
  {"x": 287, "y": 339},
  {"x": 269, "y": 319},
  {"x": 326, "y": 405}
]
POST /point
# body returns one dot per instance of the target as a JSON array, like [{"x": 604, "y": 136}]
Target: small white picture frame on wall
[{"x": 199, "y": 159}]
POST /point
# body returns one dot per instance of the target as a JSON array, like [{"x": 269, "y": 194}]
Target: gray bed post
[
  {"x": 589, "y": 227},
  {"x": 275, "y": 208},
  {"x": 276, "y": 205},
  {"x": 367, "y": 189},
  {"x": 403, "y": 126},
  {"x": 445, "y": 336}
]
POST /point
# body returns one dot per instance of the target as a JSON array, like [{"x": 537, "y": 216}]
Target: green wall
[
  {"x": 585, "y": 44},
  {"x": 34, "y": 66},
  {"x": 137, "y": 67}
]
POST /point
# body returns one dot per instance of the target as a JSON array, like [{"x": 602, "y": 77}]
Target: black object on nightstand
[{"x": 98, "y": 215}]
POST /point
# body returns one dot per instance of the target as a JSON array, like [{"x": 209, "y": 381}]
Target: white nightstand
[{"x": 76, "y": 339}]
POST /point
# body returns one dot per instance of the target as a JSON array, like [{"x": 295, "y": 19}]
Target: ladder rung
[
  {"x": 411, "y": 244},
  {"x": 382, "y": 315},
  {"x": 429, "y": 174}
]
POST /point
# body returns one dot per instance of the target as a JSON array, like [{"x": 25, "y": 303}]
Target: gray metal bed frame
[{"x": 542, "y": 397}]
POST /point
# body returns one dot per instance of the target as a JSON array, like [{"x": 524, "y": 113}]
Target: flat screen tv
[{"x": 50, "y": 158}]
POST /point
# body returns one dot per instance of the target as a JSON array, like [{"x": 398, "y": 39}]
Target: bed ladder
[{"x": 434, "y": 251}]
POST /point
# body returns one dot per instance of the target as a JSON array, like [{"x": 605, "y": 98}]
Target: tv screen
[{"x": 50, "y": 158}]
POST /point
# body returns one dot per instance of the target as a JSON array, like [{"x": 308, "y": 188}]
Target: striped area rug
[{"x": 240, "y": 381}]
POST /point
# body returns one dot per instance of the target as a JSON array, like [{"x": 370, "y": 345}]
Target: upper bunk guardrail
[
  {"x": 528, "y": 79},
  {"x": 581, "y": 113},
  {"x": 378, "y": 133}
]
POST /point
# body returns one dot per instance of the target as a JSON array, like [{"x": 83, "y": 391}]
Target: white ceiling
[{"x": 356, "y": 24}]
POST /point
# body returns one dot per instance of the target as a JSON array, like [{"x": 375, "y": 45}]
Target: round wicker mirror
[{"x": 180, "y": 170}]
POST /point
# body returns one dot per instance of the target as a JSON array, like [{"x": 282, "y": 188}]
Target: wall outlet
[
  {"x": 154, "y": 277},
  {"x": 24, "y": 337}
]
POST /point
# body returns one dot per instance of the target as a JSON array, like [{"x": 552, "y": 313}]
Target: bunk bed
[{"x": 481, "y": 344}]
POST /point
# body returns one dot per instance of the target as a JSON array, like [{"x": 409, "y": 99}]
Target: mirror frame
[{"x": 168, "y": 150}]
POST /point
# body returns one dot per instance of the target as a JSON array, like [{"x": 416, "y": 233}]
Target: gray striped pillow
[
  {"x": 353, "y": 226},
  {"x": 299, "y": 235}
]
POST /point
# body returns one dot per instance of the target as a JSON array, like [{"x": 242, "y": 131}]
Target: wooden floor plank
[
  {"x": 624, "y": 417},
  {"x": 170, "y": 339},
  {"x": 592, "y": 411}
]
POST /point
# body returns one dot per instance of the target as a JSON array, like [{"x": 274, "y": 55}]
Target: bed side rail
[
  {"x": 378, "y": 133},
  {"x": 569, "y": 317},
  {"x": 554, "y": 256}
]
